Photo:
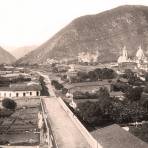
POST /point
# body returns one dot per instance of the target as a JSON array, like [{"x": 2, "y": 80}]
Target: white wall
[{"x": 12, "y": 94}]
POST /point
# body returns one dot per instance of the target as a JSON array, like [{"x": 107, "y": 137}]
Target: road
[{"x": 65, "y": 132}]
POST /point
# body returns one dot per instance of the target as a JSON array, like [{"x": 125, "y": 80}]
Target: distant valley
[
  {"x": 6, "y": 57},
  {"x": 22, "y": 51}
]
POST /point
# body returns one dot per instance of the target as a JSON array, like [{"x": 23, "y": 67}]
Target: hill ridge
[
  {"x": 6, "y": 57},
  {"x": 106, "y": 32}
]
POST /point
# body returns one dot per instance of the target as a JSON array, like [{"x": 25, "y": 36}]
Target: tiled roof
[
  {"x": 115, "y": 137},
  {"x": 83, "y": 84},
  {"x": 22, "y": 87}
]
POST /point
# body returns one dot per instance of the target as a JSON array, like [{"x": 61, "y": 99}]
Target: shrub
[
  {"x": 64, "y": 90},
  {"x": 9, "y": 104},
  {"x": 145, "y": 89},
  {"x": 44, "y": 91},
  {"x": 92, "y": 75},
  {"x": 146, "y": 77},
  {"x": 120, "y": 86},
  {"x": 134, "y": 94},
  {"x": 57, "y": 85}
]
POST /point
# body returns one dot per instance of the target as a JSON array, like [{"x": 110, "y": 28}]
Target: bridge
[{"x": 66, "y": 130}]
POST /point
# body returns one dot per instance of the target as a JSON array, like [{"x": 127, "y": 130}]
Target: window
[
  {"x": 4, "y": 94},
  {"x": 37, "y": 93},
  {"x": 24, "y": 94},
  {"x": 17, "y": 94},
  {"x": 9, "y": 94},
  {"x": 30, "y": 93}
]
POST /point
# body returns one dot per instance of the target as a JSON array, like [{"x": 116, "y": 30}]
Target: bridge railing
[
  {"x": 91, "y": 140},
  {"x": 50, "y": 137}
]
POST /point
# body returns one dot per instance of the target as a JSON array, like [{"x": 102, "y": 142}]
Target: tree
[
  {"x": 128, "y": 73},
  {"x": 120, "y": 86},
  {"x": 103, "y": 92},
  {"x": 90, "y": 113},
  {"x": 9, "y": 104},
  {"x": 145, "y": 104},
  {"x": 108, "y": 73},
  {"x": 44, "y": 91},
  {"x": 145, "y": 89},
  {"x": 82, "y": 76},
  {"x": 64, "y": 90},
  {"x": 134, "y": 94},
  {"x": 92, "y": 76},
  {"x": 146, "y": 76},
  {"x": 57, "y": 85}
]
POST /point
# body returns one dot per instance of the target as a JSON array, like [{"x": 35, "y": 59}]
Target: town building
[
  {"x": 16, "y": 85},
  {"x": 18, "y": 90},
  {"x": 86, "y": 57},
  {"x": 114, "y": 136},
  {"x": 138, "y": 62}
]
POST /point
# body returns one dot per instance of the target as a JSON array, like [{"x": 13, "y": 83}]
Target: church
[{"x": 138, "y": 62}]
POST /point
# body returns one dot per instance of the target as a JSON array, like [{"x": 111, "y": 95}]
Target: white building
[
  {"x": 86, "y": 57},
  {"x": 124, "y": 57},
  {"x": 20, "y": 90},
  {"x": 140, "y": 61},
  {"x": 140, "y": 55}
]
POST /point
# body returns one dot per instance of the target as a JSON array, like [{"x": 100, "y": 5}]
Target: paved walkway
[{"x": 65, "y": 132}]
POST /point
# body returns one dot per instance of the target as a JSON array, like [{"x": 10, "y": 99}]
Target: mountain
[
  {"x": 6, "y": 57},
  {"x": 107, "y": 32},
  {"x": 22, "y": 51}
]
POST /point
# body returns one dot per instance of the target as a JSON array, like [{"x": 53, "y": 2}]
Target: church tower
[
  {"x": 124, "y": 53},
  {"x": 124, "y": 57},
  {"x": 140, "y": 54}
]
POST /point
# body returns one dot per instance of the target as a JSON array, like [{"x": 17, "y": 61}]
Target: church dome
[
  {"x": 140, "y": 54},
  {"x": 122, "y": 59}
]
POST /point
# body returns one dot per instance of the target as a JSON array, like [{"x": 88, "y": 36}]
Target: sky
[{"x": 32, "y": 22}]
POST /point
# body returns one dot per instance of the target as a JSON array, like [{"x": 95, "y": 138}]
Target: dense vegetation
[
  {"x": 108, "y": 109},
  {"x": 44, "y": 91},
  {"x": 104, "y": 73},
  {"x": 59, "y": 86},
  {"x": 9, "y": 107},
  {"x": 111, "y": 110},
  {"x": 103, "y": 91},
  {"x": 9, "y": 104}
]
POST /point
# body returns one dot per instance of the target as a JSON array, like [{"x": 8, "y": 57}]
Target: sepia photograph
[{"x": 73, "y": 73}]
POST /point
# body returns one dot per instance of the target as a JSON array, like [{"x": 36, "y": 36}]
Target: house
[
  {"x": 118, "y": 94},
  {"x": 71, "y": 75},
  {"x": 87, "y": 86},
  {"x": 18, "y": 90},
  {"x": 114, "y": 136}
]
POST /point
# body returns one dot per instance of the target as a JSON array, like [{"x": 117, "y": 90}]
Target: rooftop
[
  {"x": 114, "y": 136},
  {"x": 83, "y": 84},
  {"x": 11, "y": 75},
  {"x": 31, "y": 86}
]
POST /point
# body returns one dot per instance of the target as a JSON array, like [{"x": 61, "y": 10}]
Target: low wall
[
  {"x": 50, "y": 137},
  {"x": 92, "y": 141}
]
